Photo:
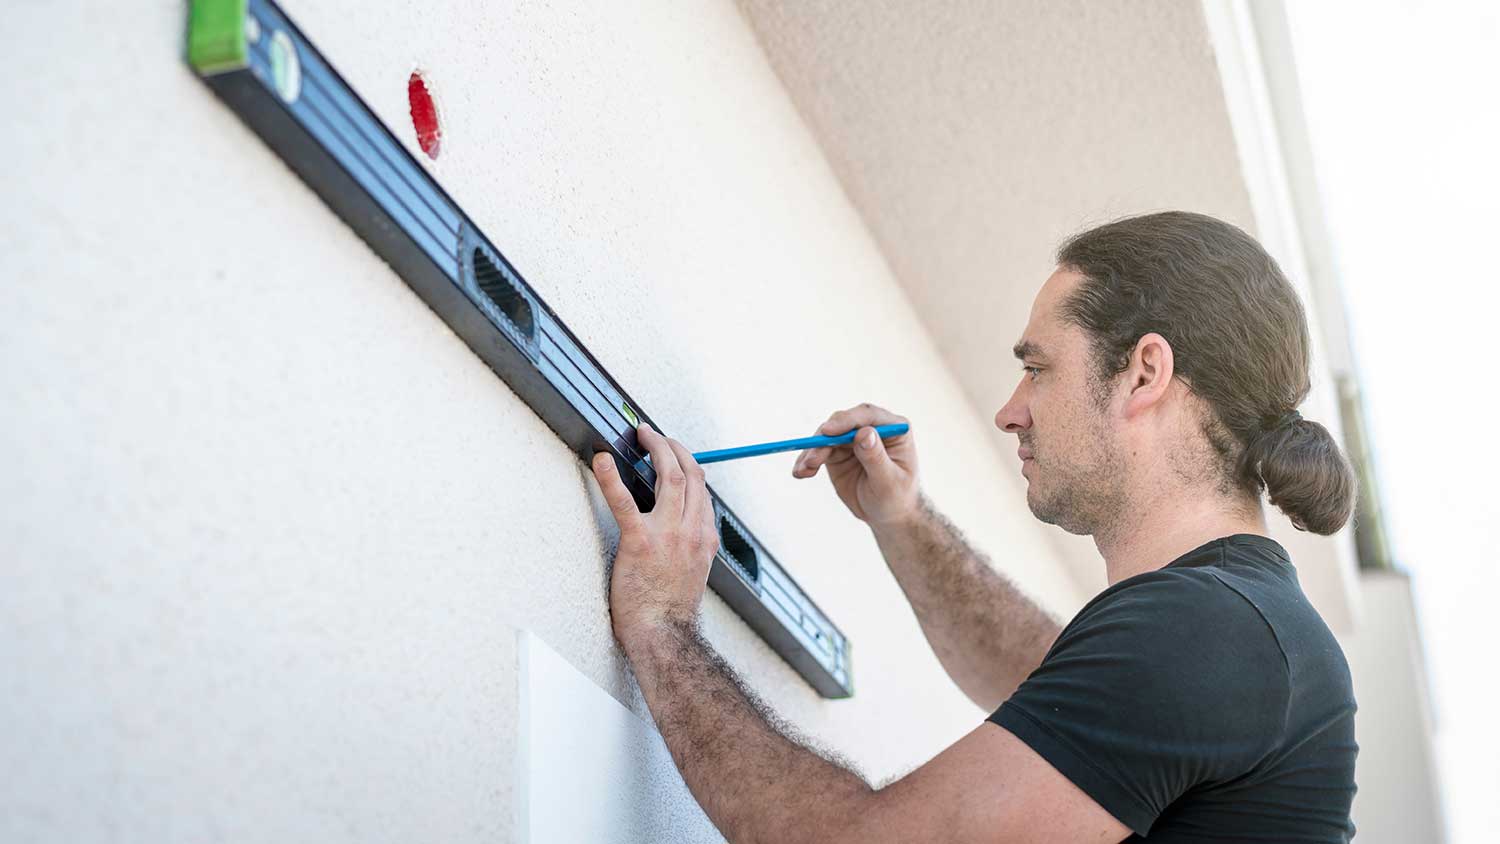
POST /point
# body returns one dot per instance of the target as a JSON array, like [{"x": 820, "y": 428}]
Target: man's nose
[{"x": 1014, "y": 417}]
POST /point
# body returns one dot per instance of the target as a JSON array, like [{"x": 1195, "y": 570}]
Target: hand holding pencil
[{"x": 875, "y": 477}]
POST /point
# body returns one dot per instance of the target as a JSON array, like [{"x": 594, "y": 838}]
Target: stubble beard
[{"x": 1083, "y": 497}]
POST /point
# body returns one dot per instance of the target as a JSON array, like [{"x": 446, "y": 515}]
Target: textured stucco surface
[{"x": 269, "y": 526}]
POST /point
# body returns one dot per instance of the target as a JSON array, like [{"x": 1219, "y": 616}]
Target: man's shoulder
[
  {"x": 1175, "y": 597},
  {"x": 1177, "y": 619},
  {"x": 1170, "y": 660}
]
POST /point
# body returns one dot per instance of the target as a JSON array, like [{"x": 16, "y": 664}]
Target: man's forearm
[
  {"x": 754, "y": 783},
  {"x": 985, "y": 632}
]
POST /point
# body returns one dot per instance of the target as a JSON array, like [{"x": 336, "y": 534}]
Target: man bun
[{"x": 1303, "y": 472}]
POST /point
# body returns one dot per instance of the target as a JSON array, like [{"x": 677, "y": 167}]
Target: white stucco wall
[{"x": 269, "y": 527}]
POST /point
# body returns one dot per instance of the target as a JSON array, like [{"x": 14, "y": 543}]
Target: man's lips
[{"x": 1024, "y": 453}]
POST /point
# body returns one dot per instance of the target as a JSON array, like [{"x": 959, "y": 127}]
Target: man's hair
[{"x": 1239, "y": 341}]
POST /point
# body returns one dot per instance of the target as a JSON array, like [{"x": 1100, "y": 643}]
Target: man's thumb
[{"x": 869, "y": 449}]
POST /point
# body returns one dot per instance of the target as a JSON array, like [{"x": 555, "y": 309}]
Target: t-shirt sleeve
[{"x": 1170, "y": 681}]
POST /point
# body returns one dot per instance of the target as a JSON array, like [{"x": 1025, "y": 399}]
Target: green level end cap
[{"x": 216, "y": 35}]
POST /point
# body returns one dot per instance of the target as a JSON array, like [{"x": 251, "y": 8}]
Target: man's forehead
[
  {"x": 1043, "y": 329},
  {"x": 1055, "y": 289}
]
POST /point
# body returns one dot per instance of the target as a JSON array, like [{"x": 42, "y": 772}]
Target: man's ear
[{"x": 1148, "y": 374}]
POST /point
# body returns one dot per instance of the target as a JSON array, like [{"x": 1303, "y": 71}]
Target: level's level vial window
[
  {"x": 507, "y": 297},
  {"x": 635, "y": 421},
  {"x": 738, "y": 548}
]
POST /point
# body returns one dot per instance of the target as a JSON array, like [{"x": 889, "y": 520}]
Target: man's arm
[
  {"x": 754, "y": 783},
  {"x": 987, "y": 635}
]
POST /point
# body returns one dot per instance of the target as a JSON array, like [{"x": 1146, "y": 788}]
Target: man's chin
[
  {"x": 1052, "y": 513},
  {"x": 1039, "y": 508}
]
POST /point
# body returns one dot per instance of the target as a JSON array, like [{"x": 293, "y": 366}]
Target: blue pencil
[{"x": 793, "y": 445}]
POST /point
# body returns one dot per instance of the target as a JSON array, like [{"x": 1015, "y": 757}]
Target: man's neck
[{"x": 1166, "y": 528}]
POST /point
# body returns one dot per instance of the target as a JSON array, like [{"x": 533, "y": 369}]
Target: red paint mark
[{"x": 424, "y": 116}]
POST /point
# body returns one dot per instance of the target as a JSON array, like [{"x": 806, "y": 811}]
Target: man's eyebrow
[{"x": 1027, "y": 349}]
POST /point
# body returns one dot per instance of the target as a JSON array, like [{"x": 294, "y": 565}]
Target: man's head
[{"x": 1168, "y": 351}]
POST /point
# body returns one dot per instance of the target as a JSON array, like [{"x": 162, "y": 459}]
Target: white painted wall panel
[{"x": 591, "y": 769}]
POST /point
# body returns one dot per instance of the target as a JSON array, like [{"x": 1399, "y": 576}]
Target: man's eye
[{"x": 1031, "y": 370}]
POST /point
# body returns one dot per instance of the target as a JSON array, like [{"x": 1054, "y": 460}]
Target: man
[{"x": 1197, "y": 698}]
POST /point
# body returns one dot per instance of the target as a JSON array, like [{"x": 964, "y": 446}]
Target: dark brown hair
[{"x": 1239, "y": 341}]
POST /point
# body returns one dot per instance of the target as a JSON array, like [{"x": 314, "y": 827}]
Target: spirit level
[{"x": 262, "y": 66}]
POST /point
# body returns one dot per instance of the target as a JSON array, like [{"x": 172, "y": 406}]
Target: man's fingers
[
  {"x": 620, "y": 501},
  {"x": 695, "y": 493},
  {"x": 841, "y": 422},
  {"x": 808, "y": 461},
  {"x": 859, "y": 416},
  {"x": 671, "y": 481}
]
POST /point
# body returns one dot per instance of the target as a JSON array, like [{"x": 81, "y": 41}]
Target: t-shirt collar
[{"x": 1213, "y": 552}]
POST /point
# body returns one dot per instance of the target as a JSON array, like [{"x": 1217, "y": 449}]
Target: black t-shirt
[{"x": 1204, "y": 701}]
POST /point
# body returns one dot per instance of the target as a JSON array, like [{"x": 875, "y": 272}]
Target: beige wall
[{"x": 270, "y": 526}]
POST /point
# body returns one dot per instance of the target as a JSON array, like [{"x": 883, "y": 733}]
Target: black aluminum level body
[{"x": 314, "y": 121}]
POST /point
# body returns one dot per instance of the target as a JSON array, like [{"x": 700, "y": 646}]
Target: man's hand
[
  {"x": 662, "y": 564},
  {"x": 875, "y": 478}
]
